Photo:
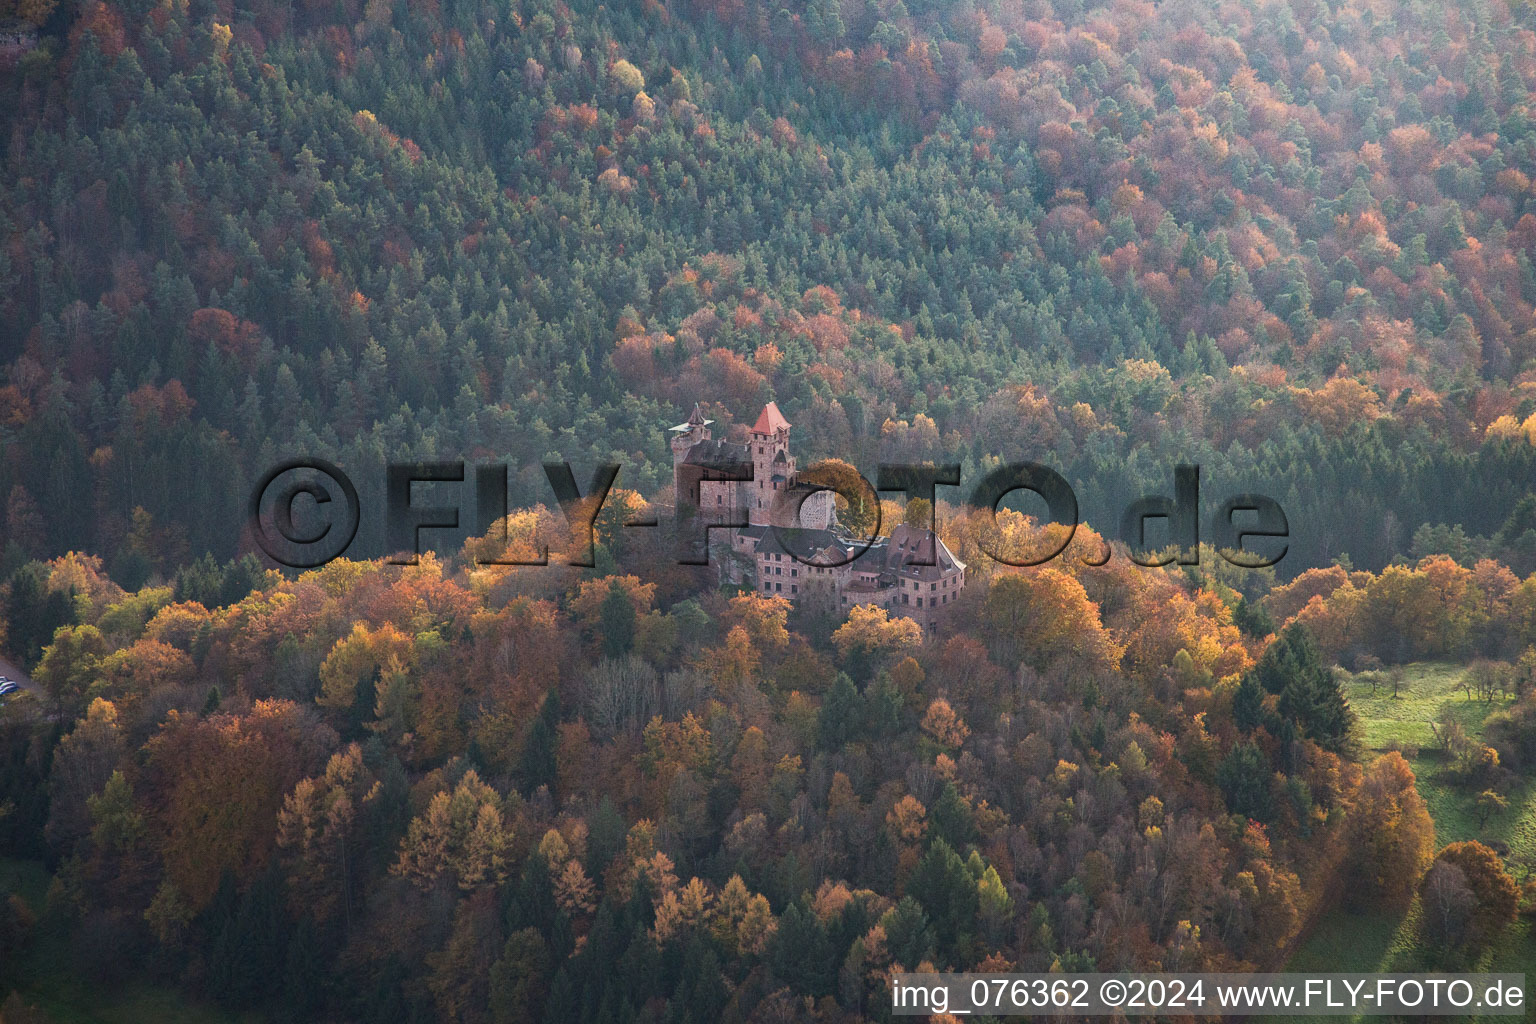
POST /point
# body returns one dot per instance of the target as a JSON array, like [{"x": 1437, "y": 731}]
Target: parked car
[{"x": 8, "y": 687}]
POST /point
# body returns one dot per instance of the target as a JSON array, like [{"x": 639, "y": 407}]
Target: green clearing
[
  {"x": 45, "y": 980},
  {"x": 1344, "y": 941}
]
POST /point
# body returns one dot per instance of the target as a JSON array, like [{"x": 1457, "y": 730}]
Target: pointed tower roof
[
  {"x": 695, "y": 420},
  {"x": 771, "y": 421}
]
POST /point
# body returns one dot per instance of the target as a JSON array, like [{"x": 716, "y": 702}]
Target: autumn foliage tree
[
  {"x": 1043, "y": 616},
  {"x": 219, "y": 783},
  {"x": 462, "y": 838},
  {"x": 1469, "y": 897},
  {"x": 872, "y": 635},
  {"x": 1394, "y": 835}
]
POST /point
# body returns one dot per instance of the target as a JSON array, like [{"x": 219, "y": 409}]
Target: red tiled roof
[{"x": 771, "y": 421}]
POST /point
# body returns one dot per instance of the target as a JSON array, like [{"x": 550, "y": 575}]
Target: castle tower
[
  {"x": 684, "y": 437},
  {"x": 773, "y": 468}
]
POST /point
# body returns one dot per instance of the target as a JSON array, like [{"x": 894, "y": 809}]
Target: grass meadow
[{"x": 1345, "y": 941}]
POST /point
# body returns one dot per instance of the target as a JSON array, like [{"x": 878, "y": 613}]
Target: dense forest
[
  {"x": 1285, "y": 241},
  {"x": 454, "y": 792},
  {"x": 1288, "y": 241}
]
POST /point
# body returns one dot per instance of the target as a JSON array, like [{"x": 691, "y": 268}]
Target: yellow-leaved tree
[
  {"x": 357, "y": 657},
  {"x": 463, "y": 835},
  {"x": 871, "y": 636},
  {"x": 627, "y": 77}
]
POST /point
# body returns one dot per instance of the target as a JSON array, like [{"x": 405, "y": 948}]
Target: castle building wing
[
  {"x": 919, "y": 554},
  {"x": 823, "y": 547}
]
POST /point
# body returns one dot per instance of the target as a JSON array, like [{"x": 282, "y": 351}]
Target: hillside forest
[{"x": 1288, "y": 241}]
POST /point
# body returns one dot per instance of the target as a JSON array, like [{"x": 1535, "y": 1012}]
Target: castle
[
  {"x": 910, "y": 573},
  {"x": 765, "y": 496}
]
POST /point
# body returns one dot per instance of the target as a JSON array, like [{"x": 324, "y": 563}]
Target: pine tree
[
  {"x": 617, "y": 617},
  {"x": 562, "y": 1002},
  {"x": 950, "y": 818},
  {"x": 251, "y": 947},
  {"x": 800, "y": 954},
  {"x": 908, "y": 933},
  {"x": 1292, "y": 654},
  {"x": 838, "y": 721},
  {"x": 1248, "y": 703},
  {"x": 1252, "y": 619},
  {"x": 33, "y": 613},
  {"x": 519, "y": 978},
  {"x": 947, "y": 892},
  {"x": 708, "y": 990},
  {"x": 1243, "y": 778},
  {"x": 537, "y": 766},
  {"x": 1310, "y": 696}
]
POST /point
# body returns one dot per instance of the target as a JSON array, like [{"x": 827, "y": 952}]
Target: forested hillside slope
[
  {"x": 1287, "y": 241},
  {"x": 461, "y": 793}
]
